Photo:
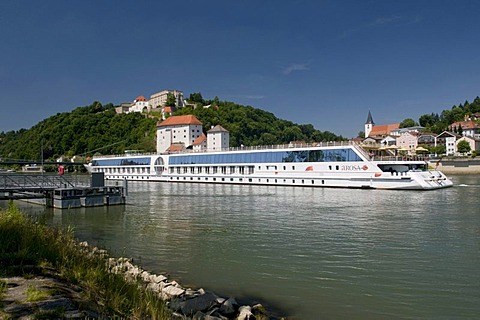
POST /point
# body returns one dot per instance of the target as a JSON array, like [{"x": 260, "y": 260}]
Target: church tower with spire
[{"x": 369, "y": 124}]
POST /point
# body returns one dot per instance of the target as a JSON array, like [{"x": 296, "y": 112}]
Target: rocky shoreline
[{"x": 184, "y": 303}]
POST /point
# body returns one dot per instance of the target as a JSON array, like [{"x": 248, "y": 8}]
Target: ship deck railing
[
  {"x": 361, "y": 148},
  {"x": 241, "y": 148},
  {"x": 400, "y": 158}
]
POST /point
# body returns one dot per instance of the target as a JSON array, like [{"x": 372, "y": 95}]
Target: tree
[
  {"x": 196, "y": 97},
  {"x": 463, "y": 146},
  {"x": 439, "y": 149},
  {"x": 361, "y": 134},
  {"x": 408, "y": 123},
  {"x": 427, "y": 120},
  {"x": 171, "y": 101}
]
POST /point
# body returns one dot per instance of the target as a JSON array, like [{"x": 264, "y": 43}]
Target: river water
[{"x": 308, "y": 253}]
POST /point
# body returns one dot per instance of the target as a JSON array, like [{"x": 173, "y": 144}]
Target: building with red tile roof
[
  {"x": 200, "y": 143},
  {"x": 188, "y": 119},
  {"x": 383, "y": 130},
  {"x": 469, "y": 128},
  {"x": 178, "y": 130}
]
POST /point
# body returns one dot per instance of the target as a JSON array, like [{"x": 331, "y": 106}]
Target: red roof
[
  {"x": 176, "y": 147},
  {"x": 140, "y": 98},
  {"x": 167, "y": 109},
  {"x": 179, "y": 120},
  {"x": 469, "y": 124},
  {"x": 200, "y": 139},
  {"x": 383, "y": 129}
]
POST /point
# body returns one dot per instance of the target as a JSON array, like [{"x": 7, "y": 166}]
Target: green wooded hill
[
  {"x": 437, "y": 123},
  {"x": 81, "y": 132},
  {"x": 250, "y": 126},
  {"x": 98, "y": 129}
]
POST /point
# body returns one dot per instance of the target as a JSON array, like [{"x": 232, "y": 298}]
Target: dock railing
[{"x": 36, "y": 182}]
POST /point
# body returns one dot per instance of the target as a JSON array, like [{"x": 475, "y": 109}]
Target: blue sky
[{"x": 321, "y": 62}]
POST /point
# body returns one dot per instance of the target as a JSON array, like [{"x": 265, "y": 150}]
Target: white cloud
[{"x": 295, "y": 67}]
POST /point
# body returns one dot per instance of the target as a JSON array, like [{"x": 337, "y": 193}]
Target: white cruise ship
[{"x": 342, "y": 164}]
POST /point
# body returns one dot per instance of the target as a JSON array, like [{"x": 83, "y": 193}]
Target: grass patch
[
  {"x": 50, "y": 314},
  {"x": 34, "y": 294},
  {"x": 27, "y": 246}
]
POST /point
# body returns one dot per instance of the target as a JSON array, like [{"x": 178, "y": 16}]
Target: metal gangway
[{"x": 32, "y": 186}]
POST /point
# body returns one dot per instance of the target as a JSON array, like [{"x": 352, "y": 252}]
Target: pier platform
[{"x": 61, "y": 191}]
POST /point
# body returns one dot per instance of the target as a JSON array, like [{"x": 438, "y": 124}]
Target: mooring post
[{"x": 125, "y": 187}]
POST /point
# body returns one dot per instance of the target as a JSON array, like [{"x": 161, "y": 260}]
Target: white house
[
  {"x": 200, "y": 143},
  {"x": 468, "y": 128},
  {"x": 218, "y": 138},
  {"x": 178, "y": 130},
  {"x": 140, "y": 105},
  {"x": 448, "y": 139},
  {"x": 388, "y": 141},
  {"x": 400, "y": 131}
]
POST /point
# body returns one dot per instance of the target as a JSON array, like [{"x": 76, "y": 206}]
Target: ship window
[
  {"x": 345, "y": 154},
  {"x": 313, "y": 182},
  {"x": 337, "y": 168}
]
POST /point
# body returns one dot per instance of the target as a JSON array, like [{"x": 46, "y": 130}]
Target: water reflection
[{"x": 332, "y": 253}]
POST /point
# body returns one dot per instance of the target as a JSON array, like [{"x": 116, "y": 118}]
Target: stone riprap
[
  {"x": 185, "y": 303},
  {"x": 64, "y": 300}
]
